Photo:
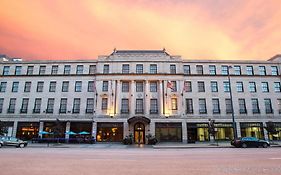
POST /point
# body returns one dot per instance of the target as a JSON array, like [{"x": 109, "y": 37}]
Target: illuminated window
[{"x": 174, "y": 104}]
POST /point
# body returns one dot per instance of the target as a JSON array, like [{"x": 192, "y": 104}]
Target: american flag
[{"x": 170, "y": 85}]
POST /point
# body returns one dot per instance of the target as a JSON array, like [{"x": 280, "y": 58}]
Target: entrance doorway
[{"x": 139, "y": 133}]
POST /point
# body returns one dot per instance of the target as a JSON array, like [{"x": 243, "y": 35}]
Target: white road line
[{"x": 275, "y": 158}]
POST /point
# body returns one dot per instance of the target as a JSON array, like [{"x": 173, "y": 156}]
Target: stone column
[
  {"x": 125, "y": 129},
  {"x": 132, "y": 101},
  {"x": 15, "y": 128},
  {"x": 184, "y": 132},
  {"x": 67, "y": 129},
  {"x": 146, "y": 98},
  {"x": 265, "y": 131},
  {"x": 41, "y": 127},
  {"x": 238, "y": 129},
  {"x": 94, "y": 129},
  {"x": 152, "y": 128},
  {"x": 160, "y": 98}
]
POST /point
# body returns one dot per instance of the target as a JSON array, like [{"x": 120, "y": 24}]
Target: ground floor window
[
  {"x": 252, "y": 130},
  {"x": 56, "y": 129},
  {"x": 27, "y": 130},
  {"x": 224, "y": 131},
  {"x": 80, "y": 132},
  {"x": 6, "y": 128},
  {"x": 109, "y": 132},
  {"x": 277, "y": 135},
  {"x": 168, "y": 132},
  {"x": 197, "y": 132}
]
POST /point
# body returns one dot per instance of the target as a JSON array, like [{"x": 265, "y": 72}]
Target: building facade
[{"x": 140, "y": 93}]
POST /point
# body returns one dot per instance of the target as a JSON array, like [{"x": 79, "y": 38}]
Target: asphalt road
[{"x": 140, "y": 161}]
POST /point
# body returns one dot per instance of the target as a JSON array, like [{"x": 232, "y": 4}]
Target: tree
[{"x": 271, "y": 128}]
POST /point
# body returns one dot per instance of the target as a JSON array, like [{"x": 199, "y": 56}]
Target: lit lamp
[
  {"x": 167, "y": 115},
  {"x": 111, "y": 115}
]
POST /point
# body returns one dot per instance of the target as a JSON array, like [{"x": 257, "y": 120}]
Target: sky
[{"x": 194, "y": 29}]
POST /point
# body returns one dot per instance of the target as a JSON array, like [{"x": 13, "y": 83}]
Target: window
[
  {"x": 189, "y": 106},
  {"x": 139, "y": 68},
  {"x": 262, "y": 70},
  {"x": 92, "y": 69},
  {"x": 1, "y": 104},
  {"x": 202, "y": 106},
  {"x": 24, "y": 105},
  {"x": 212, "y": 69},
  {"x": 278, "y": 105},
  {"x": 67, "y": 69},
  {"x": 125, "y": 68},
  {"x": 228, "y": 106},
  {"x": 90, "y": 105},
  {"x": 199, "y": 69},
  {"x": 274, "y": 70},
  {"x": 55, "y": 69},
  {"x": 264, "y": 86},
  {"x": 125, "y": 106},
  {"x": 174, "y": 104},
  {"x": 76, "y": 105},
  {"x": 187, "y": 86},
  {"x": 186, "y": 69},
  {"x": 125, "y": 86},
  {"x": 18, "y": 70},
  {"x": 201, "y": 86},
  {"x": 42, "y": 70},
  {"x": 50, "y": 105},
  {"x": 37, "y": 105},
  {"x": 104, "y": 104},
  {"x": 226, "y": 87},
  {"x": 139, "y": 106},
  {"x": 153, "y": 86},
  {"x": 173, "y": 69},
  {"x": 65, "y": 86},
  {"x": 12, "y": 105},
  {"x": 153, "y": 106},
  {"x": 3, "y": 86},
  {"x": 29, "y": 70},
  {"x": 237, "y": 70},
  {"x": 40, "y": 86},
  {"x": 277, "y": 87},
  {"x": 268, "y": 106},
  {"x": 242, "y": 106},
  {"x": 79, "y": 69},
  {"x": 255, "y": 106},
  {"x": 91, "y": 86},
  {"x": 174, "y": 85},
  {"x": 27, "y": 86},
  {"x": 6, "y": 70},
  {"x": 252, "y": 87},
  {"x": 106, "y": 69},
  {"x": 214, "y": 86},
  {"x": 105, "y": 86},
  {"x": 15, "y": 87},
  {"x": 52, "y": 87},
  {"x": 239, "y": 86},
  {"x": 224, "y": 70},
  {"x": 78, "y": 86},
  {"x": 63, "y": 105},
  {"x": 216, "y": 106},
  {"x": 153, "y": 68},
  {"x": 249, "y": 70},
  {"x": 139, "y": 86}
]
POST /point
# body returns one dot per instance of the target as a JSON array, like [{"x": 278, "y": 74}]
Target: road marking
[{"x": 275, "y": 158}]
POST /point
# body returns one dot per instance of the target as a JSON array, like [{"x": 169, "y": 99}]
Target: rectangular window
[
  {"x": 91, "y": 86},
  {"x": 52, "y": 87},
  {"x": 37, "y": 105},
  {"x": 216, "y": 106},
  {"x": 188, "y": 86},
  {"x": 27, "y": 86},
  {"x": 252, "y": 87},
  {"x": 55, "y": 69},
  {"x": 40, "y": 86},
  {"x": 3, "y": 86},
  {"x": 153, "y": 106},
  {"x": 226, "y": 87},
  {"x": 78, "y": 86},
  {"x": 174, "y": 85},
  {"x": 6, "y": 70},
  {"x": 153, "y": 86},
  {"x": 79, "y": 69},
  {"x": 1, "y": 104},
  {"x": 90, "y": 105},
  {"x": 262, "y": 70},
  {"x": 264, "y": 86},
  {"x": 29, "y": 70},
  {"x": 202, "y": 106},
  {"x": 76, "y": 105},
  {"x": 92, "y": 69},
  {"x": 63, "y": 105},
  {"x": 24, "y": 105},
  {"x": 228, "y": 106},
  {"x": 277, "y": 87},
  {"x": 255, "y": 106},
  {"x": 125, "y": 68},
  {"x": 50, "y": 105},
  {"x": 212, "y": 70},
  {"x": 12, "y": 105},
  {"x": 214, "y": 86},
  {"x": 105, "y": 86},
  {"x": 199, "y": 69},
  {"x": 174, "y": 104},
  {"x": 189, "y": 106},
  {"x": 274, "y": 70},
  {"x": 237, "y": 70},
  {"x": 153, "y": 68},
  {"x": 186, "y": 69},
  {"x": 278, "y": 105},
  {"x": 125, "y": 106},
  {"x": 106, "y": 69},
  {"x": 65, "y": 86},
  {"x": 139, "y": 106},
  {"x": 249, "y": 70},
  {"x": 42, "y": 70},
  {"x": 139, "y": 68},
  {"x": 242, "y": 106},
  {"x": 125, "y": 86},
  {"x": 15, "y": 87},
  {"x": 104, "y": 104},
  {"x": 268, "y": 106},
  {"x": 224, "y": 70},
  {"x": 201, "y": 86},
  {"x": 173, "y": 69},
  {"x": 139, "y": 86},
  {"x": 67, "y": 69},
  {"x": 18, "y": 70},
  {"x": 239, "y": 86}
]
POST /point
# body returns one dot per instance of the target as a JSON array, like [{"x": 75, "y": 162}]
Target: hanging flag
[{"x": 170, "y": 85}]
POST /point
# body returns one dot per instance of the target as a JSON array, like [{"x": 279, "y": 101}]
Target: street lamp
[{"x": 231, "y": 102}]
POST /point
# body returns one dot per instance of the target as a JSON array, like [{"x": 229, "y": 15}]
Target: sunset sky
[{"x": 194, "y": 29}]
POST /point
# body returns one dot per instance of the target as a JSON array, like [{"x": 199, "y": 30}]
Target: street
[{"x": 140, "y": 161}]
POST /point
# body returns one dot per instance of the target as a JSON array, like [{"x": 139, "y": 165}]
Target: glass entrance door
[{"x": 139, "y": 133}]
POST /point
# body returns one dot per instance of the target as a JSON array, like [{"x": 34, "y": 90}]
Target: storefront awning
[{"x": 139, "y": 119}]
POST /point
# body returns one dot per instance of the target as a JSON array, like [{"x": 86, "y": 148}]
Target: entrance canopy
[{"x": 139, "y": 119}]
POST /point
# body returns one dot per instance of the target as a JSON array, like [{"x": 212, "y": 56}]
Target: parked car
[
  {"x": 245, "y": 142},
  {"x": 12, "y": 141}
]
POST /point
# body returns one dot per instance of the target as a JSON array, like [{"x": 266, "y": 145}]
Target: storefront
[
  {"x": 168, "y": 132},
  {"x": 197, "y": 132},
  {"x": 27, "y": 130},
  {"x": 6, "y": 128},
  {"x": 277, "y": 135},
  {"x": 252, "y": 130},
  {"x": 109, "y": 132},
  {"x": 56, "y": 129},
  {"x": 224, "y": 131}
]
